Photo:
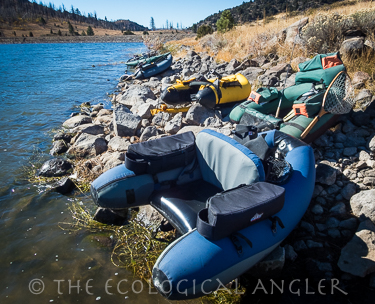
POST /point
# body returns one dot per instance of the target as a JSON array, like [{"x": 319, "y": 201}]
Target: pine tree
[
  {"x": 226, "y": 22},
  {"x": 71, "y": 29},
  {"x": 152, "y": 24},
  {"x": 90, "y": 31},
  {"x": 195, "y": 27},
  {"x": 204, "y": 30}
]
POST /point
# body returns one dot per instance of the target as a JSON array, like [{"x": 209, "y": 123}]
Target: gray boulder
[
  {"x": 161, "y": 119},
  {"x": 186, "y": 73},
  {"x": 232, "y": 65},
  {"x": 197, "y": 114},
  {"x": 299, "y": 245},
  {"x": 363, "y": 99},
  {"x": 350, "y": 151},
  {"x": 352, "y": 46},
  {"x": 148, "y": 132},
  {"x": 360, "y": 77},
  {"x": 252, "y": 73},
  {"x": 118, "y": 143},
  {"x": 358, "y": 256},
  {"x": 63, "y": 186},
  {"x": 268, "y": 80},
  {"x": 59, "y": 147},
  {"x": 204, "y": 69},
  {"x": 111, "y": 160},
  {"x": 103, "y": 112},
  {"x": 290, "y": 254},
  {"x": 63, "y": 136},
  {"x": 76, "y": 121},
  {"x": 363, "y": 205},
  {"x": 338, "y": 209},
  {"x": 213, "y": 122},
  {"x": 325, "y": 173},
  {"x": 260, "y": 60},
  {"x": 350, "y": 224},
  {"x": 125, "y": 122},
  {"x": 110, "y": 217},
  {"x": 90, "y": 128},
  {"x": 278, "y": 69},
  {"x": 54, "y": 167},
  {"x": 149, "y": 216},
  {"x": 194, "y": 129},
  {"x": 348, "y": 191},
  {"x": 144, "y": 110},
  {"x": 106, "y": 120},
  {"x": 88, "y": 145},
  {"x": 136, "y": 94},
  {"x": 173, "y": 126},
  {"x": 348, "y": 127},
  {"x": 97, "y": 107},
  {"x": 292, "y": 31},
  {"x": 371, "y": 144},
  {"x": 369, "y": 181},
  {"x": 317, "y": 209}
]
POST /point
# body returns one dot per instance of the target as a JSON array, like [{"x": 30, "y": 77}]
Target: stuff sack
[
  {"x": 182, "y": 91},
  {"x": 228, "y": 89},
  {"x": 263, "y": 122},
  {"x": 161, "y": 154},
  {"x": 238, "y": 208},
  {"x": 243, "y": 133}
]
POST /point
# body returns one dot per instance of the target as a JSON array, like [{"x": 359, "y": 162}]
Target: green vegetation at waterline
[{"x": 136, "y": 247}]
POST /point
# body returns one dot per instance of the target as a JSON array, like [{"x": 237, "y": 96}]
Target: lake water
[{"x": 40, "y": 84}]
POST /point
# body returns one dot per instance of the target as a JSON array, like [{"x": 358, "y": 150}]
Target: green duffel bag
[
  {"x": 314, "y": 63},
  {"x": 316, "y": 75},
  {"x": 264, "y": 95},
  {"x": 298, "y": 124},
  {"x": 289, "y": 96}
]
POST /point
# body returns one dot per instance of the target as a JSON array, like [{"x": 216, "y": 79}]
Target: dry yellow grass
[{"x": 250, "y": 38}]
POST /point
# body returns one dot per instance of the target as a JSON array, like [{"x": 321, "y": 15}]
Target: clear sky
[{"x": 186, "y": 12}]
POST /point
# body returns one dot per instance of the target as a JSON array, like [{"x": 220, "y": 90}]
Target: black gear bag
[
  {"x": 230, "y": 211},
  {"x": 160, "y": 155}
]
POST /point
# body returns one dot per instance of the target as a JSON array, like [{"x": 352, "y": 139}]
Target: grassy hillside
[
  {"x": 22, "y": 18},
  {"x": 258, "y": 9},
  {"x": 251, "y": 39}
]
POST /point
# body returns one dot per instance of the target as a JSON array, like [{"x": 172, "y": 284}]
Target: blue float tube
[{"x": 193, "y": 266}]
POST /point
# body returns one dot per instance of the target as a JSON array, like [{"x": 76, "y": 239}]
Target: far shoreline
[{"x": 87, "y": 39}]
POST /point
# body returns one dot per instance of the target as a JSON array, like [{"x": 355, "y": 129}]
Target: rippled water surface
[{"x": 39, "y": 86}]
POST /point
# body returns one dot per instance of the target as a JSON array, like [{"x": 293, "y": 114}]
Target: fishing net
[{"x": 340, "y": 95}]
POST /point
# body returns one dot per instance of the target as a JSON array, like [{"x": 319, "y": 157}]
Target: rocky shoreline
[{"x": 336, "y": 237}]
